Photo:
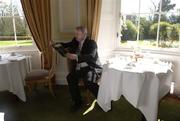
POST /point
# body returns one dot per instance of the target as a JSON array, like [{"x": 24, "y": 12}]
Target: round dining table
[
  {"x": 143, "y": 83},
  {"x": 13, "y": 70}
]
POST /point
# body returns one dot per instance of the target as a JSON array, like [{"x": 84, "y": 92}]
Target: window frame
[
  {"x": 16, "y": 47},
  {"x": 173, "y": 51}
]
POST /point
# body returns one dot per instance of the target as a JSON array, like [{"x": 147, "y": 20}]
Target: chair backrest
[
  {"x": 53, "y": 64},
  {"x": 52, "y": 70},
  {"x": 42, "y": 60}
]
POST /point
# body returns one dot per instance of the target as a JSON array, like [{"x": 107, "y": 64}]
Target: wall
[
  {"x": 107, "y": 39},
  {"x": 61, "y": 71},
  {"x": 66, "y": 15}
]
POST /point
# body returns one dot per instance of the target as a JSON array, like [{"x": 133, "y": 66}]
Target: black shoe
[{"x": 76, "y": 107}]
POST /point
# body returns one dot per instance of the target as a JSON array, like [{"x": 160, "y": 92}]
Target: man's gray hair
[{"x": 82, "y": 29}]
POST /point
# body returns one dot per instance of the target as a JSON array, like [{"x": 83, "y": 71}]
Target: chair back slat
[{"x": 52, "y": 70}]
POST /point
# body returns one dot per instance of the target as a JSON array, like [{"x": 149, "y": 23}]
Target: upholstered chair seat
[{"x": 37, "y": 74}]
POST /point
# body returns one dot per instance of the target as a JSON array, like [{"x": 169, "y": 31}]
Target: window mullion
[
  {"x": 14, "y": 23},
  {"x": 159, "y": 20},
  {"x": 138, "y": 29}
]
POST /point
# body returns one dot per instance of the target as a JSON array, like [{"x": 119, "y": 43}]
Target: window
[
  {"x": 14, "y": 30},
  {"x": 150, "y": 23}
]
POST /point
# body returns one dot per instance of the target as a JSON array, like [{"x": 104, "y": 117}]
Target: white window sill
[{"x": 163, "y": 51}]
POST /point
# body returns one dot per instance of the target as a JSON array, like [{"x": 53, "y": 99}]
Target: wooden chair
[
  {"x": 42, "y": 76},
  {"x": 88, "y": 94}
]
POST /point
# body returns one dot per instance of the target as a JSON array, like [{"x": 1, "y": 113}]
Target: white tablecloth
[
  {"x": 13, "y": 70},
  {"x": 143, "y": 84}
]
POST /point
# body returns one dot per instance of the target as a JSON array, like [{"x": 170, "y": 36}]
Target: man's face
[{"x": 79, "y": 35}]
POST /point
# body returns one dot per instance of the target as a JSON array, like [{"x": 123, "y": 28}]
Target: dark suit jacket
[{"x": 87, "y": 54}]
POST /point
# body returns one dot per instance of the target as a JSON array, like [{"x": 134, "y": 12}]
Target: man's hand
[
  {"x": 54, "y": 44},
  {"x": 71, "y": 56},
  {"x": 51, "y": 43}
]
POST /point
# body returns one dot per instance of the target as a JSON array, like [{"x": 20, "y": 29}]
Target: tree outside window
[
  {"x": 14, "y": 30},
  {"x": 150, "y": 23}
]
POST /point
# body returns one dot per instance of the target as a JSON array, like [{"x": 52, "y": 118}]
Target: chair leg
[
  {"x": 88, "y": 97},
  {"x": 29, "y": 86},
  {"x": 50, "y": 88}
]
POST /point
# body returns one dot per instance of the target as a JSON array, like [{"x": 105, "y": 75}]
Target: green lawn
[
  {"x": 13, "y": 43},
  {"x": 141, "y": 43}
]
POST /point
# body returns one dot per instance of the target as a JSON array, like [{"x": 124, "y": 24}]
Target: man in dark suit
[{"x": 82, "y": 52}]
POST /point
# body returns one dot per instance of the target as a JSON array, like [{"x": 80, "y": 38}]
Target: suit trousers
[{"x": 73, "y": 84}]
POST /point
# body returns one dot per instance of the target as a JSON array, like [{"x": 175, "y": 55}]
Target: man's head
[{"x": 80, "y": 33}]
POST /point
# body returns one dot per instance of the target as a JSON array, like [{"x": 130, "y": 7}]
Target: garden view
[
  {"x": 13, "y": 27},
  {"x": 166, "y": 15}
]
